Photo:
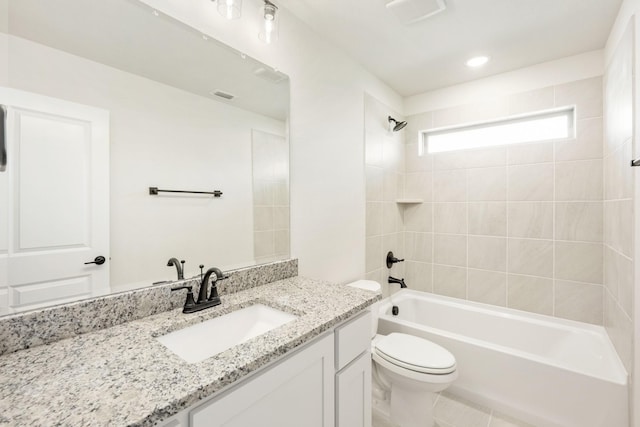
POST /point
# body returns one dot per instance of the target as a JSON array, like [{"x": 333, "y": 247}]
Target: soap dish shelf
[{"x": 409, "y": 201}]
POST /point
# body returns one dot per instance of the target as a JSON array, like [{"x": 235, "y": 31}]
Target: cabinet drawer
[{"x": 352, "y": 339}]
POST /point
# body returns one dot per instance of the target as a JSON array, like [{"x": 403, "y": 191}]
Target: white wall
[
  {"x": 565, "y": 70},
  {"x": 162, "y": 137},
  {"x": 326, "y": 133},
  {"x": 630, "y": 11},
  {"x": 3, "y": 58}
]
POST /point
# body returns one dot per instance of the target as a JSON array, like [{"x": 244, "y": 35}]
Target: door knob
[{"x": 97, "y": 260}]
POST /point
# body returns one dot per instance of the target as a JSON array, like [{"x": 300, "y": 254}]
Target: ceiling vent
[
  {"x": 412, "y": 11},
  {"x": 269, "y": 75},
  {"x": 222, "y": 94}
]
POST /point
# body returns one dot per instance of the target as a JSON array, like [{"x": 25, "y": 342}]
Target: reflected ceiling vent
[
  {"x": 269, "y": 75},
  {"x": 222, "y": 94},
  {"x": 412, "y": 11}
]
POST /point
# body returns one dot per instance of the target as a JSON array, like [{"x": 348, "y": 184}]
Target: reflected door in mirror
[{"x": 55, "y": 196}]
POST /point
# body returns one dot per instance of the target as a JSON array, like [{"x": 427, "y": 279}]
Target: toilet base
[{"x": 405, "y": 408}]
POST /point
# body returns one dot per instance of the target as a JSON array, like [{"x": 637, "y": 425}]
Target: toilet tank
[{"x": 371, "y": 286}]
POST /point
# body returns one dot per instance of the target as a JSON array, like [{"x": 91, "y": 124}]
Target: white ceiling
[{"x": 431, "y": 53}]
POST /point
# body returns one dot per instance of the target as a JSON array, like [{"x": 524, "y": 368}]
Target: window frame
[{"x": 566, "y": 111}]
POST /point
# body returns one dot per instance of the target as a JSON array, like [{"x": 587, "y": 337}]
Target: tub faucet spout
[{"x": 399, "y": 281}]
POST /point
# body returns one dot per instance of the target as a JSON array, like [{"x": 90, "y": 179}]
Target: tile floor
[{"x": 453, "y": 411}]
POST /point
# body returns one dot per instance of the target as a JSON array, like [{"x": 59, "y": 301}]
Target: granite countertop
[{"x": 122, "y": 376}]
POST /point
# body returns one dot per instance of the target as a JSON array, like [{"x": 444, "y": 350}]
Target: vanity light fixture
[
  {"x": 477, "y": 61},
  {"x": 230, "y": 9},
  {"x": 269, "y": 32}
]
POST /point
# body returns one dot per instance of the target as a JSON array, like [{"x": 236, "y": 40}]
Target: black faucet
[
  {"x": 392, "y": 259},
  {"x": 400, "y": 281},
  {"x": 203, "y": 302},
  {"x": 179, "y": 267},
  {"x": 202, "y": 295}
]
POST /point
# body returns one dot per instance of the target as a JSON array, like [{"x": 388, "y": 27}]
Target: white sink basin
[{"x": 203, "y": 340}]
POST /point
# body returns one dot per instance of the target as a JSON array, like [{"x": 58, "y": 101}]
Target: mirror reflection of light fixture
[
  {"x": 230, "y": 9},
  {"x": 269, "y": 32}
]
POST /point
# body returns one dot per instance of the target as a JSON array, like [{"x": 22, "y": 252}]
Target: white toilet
[{"x": 407, "y": 372}]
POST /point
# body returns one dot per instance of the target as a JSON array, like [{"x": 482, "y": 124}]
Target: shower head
[{"x": 396, "y": 125}]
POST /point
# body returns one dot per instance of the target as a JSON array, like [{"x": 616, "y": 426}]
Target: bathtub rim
[{"x": 619, "y": 377}]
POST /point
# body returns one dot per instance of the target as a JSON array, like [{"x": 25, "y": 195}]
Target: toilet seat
[{"x": 415, "y": 354}]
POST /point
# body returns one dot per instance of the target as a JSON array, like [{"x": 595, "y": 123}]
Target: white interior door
[{"x": 55, "y": 198}]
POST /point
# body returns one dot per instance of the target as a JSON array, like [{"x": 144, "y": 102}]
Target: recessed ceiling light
[{"x": 477, "y": 61}]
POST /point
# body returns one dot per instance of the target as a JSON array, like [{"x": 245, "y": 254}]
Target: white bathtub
[{"x": 547, "y": 371}]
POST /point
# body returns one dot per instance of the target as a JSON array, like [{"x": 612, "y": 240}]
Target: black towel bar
[{"x": 155, "y": 190}]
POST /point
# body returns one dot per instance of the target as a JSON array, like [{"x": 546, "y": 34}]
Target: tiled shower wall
[
  {"x": 270, "y": 166},
  {"x": 518, "y": 226},
  {"x": 384, "y": 158},
  {"x": 618, "y": 199}
]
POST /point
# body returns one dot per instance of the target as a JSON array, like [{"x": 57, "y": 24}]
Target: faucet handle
[
  {"x": 190, "y": 301},
  {"x": 214, "y": 294},
  {"x": 392, "y": 259}
]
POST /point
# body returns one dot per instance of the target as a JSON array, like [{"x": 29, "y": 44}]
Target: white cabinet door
[
  {"x": 54, "y": 201},
  {"x": 353, "y": 393},
  {"x": 298, "y": 391}
]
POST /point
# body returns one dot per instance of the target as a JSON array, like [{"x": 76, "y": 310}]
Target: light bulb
[
  {"x": 230, "y": 9},
  {"x": 269, "y": 31},
  {"x": 477, "y": 61}
]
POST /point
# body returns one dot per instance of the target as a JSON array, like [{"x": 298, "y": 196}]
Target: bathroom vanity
[
  {"x": 314, "y": 368},
  {"x": 325, "y": 383}
]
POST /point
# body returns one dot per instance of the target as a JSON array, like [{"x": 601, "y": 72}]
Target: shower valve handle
[{"x": 392, "y": 260}]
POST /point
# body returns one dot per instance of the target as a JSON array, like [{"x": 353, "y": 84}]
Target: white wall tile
[
  {"x": 373, "y": 148},
  {"x": 579, "y": 221},
  {"x": 530, "y": 219},
  {"x": 488, "y": 184},
  {"x": 263, "y": 218},
  {"x": 450, "y": 281},
  {"x": 580, "y": 180},
  {"x": 531, "y": 257},
  {"x": 417, "y": 247},
  {"x": 620, "y": 329},
  {"x": 488, "y": 218},
  {"x": 530, "y": 182},
  {"x": 524, "y": 154},
  {"x": 373, "y": 256},
  {"x": 450, "y": 249},
  {"x": 531, "y": 101},
  {"x": 391, "y": 218},
  {"x": 618, "y": 225},
  {"x": 415, "y": 162},
  {"x": 418, "y": 185},
  {"x": 580, "y": 262},
  {"x": 489, "y": 287},
  {"x": 488, "y": 253},
  {"x": 374, "y": 219},
  {"x": 450, "y": 218},
  {"x": 450, "y": 186},
  {"x": 418, "y": 276},
  {"x": 390, "y": 184},
  {"x": 418, "y": 217},
  {"x": 587, "y": 144},
  {"x": 375, "y": 178},
  {"x": 530, "y": 294},
  {"x": 509, "y": 220},
  {"x": 585, "y": 94},
  {"x": 579, "y": 301}
]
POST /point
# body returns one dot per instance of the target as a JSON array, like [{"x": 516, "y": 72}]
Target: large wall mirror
[{"x": 103, "y": 101}]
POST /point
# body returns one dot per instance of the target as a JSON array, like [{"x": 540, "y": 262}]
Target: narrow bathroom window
[{"x": 537, "y": 127}]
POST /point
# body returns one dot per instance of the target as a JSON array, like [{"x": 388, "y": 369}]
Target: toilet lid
[{"x": 415, "y": 353}]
